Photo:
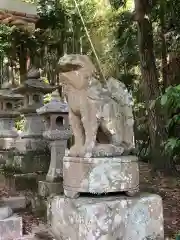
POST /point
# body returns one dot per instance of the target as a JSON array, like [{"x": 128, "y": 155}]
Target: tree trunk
[
  {"x": 23, "y": 63},
  {"x": 150, "y": 80},
  {"x": 173, "y": 70},
  {"x": 163, "y": 44}
]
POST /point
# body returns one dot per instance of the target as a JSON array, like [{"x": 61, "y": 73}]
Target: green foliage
[
  {"x": 19, "y": 124},
  {"x": 171, "y": 104},
  {"x": 60, "y": 29},
  {"x": 173, "y": 146},
  {"x": 5, "y": 37},
  {"x": 178, "y": 237},
  {"x": 47, "y": 98},
  {"x": 9, "y": 171}
]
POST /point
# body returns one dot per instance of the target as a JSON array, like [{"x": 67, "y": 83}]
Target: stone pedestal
[
  {"x": 45, "y": 188},
  {"x": 57, "y": 153},
  {"x": 107, "y": 218},
  {"x": 100, "y": 175}
]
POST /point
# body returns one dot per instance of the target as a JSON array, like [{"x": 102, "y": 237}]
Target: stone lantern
[
  {"x": 57, "y": 131},
  {"x": 8, "y": 114},
  {"x": 11, "y": 224},
  {"x": 32, "y": 148}
]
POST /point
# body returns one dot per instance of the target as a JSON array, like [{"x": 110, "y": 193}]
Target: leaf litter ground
[{"x": 168, "y": 187}]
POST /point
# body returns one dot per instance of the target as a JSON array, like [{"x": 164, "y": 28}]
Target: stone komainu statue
[{"x": 100, "y": 115}]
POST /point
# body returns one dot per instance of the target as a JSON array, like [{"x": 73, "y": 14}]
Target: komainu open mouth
[{"x": 69, "y": 67}]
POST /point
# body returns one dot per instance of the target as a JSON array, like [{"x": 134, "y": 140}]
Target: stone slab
[
  {"x": 100, "y": 175},
  {"x": 23, "y": 145},
  {"x": 108, "y": 218},
  {"x": 38, "y": 206},
  {"x": 15, "y": 203},
  {"x": 48, "y": 188},
  {"x": 22, "y": 182},
  {"x": 11, "y": 228},
  {"x": 32, "y": 161}
]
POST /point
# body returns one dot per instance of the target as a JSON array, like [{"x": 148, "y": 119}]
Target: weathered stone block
[
  {"x": 11, "y": 228},
  {"x": 57, "y": 154},
  {"x": 5, "y": 212},
  {"x": 48, "y": 188},
  {"x": 39, "y": 206},
  {"x": 7, "y": 143},
  {"x": 100, "y": 175},
  {"x": 31, "y": 155},
  {"x": 15, "y": 203},
  {"x": 108, "y": 218},
  {"x": 22, "y": 182},
  {"x": 32, "y": 161}
]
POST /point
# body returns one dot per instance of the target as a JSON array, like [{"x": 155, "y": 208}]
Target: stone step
[
  {"x": 11, "y": 228},
  {"x": 14, "y": 202},
  {"x": 23, "y": 182},
  {"x": 117, "y": 217}
]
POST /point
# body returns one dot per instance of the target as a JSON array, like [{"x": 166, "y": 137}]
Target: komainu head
[{"x": 75, "y": 62}]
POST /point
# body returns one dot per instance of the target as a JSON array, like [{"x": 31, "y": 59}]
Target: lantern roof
[
  {"x": 18, "y": 13},
  {"x": 34, "y": 84},
  {"x": 6, "y": 92},
  {"x": 56, "y": 105}
]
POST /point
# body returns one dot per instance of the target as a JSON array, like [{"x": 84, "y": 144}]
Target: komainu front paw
[
  {"x": 80, "y": 151},
  {"x": 74, "y": 151},
  {"x": 86, "y": 152}
]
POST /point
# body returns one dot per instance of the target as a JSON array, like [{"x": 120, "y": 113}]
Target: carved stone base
[
  {"x": 100, "y": 175},
  {"x": 108, "y": 218},
  {"x": 45, "y": 189}
]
